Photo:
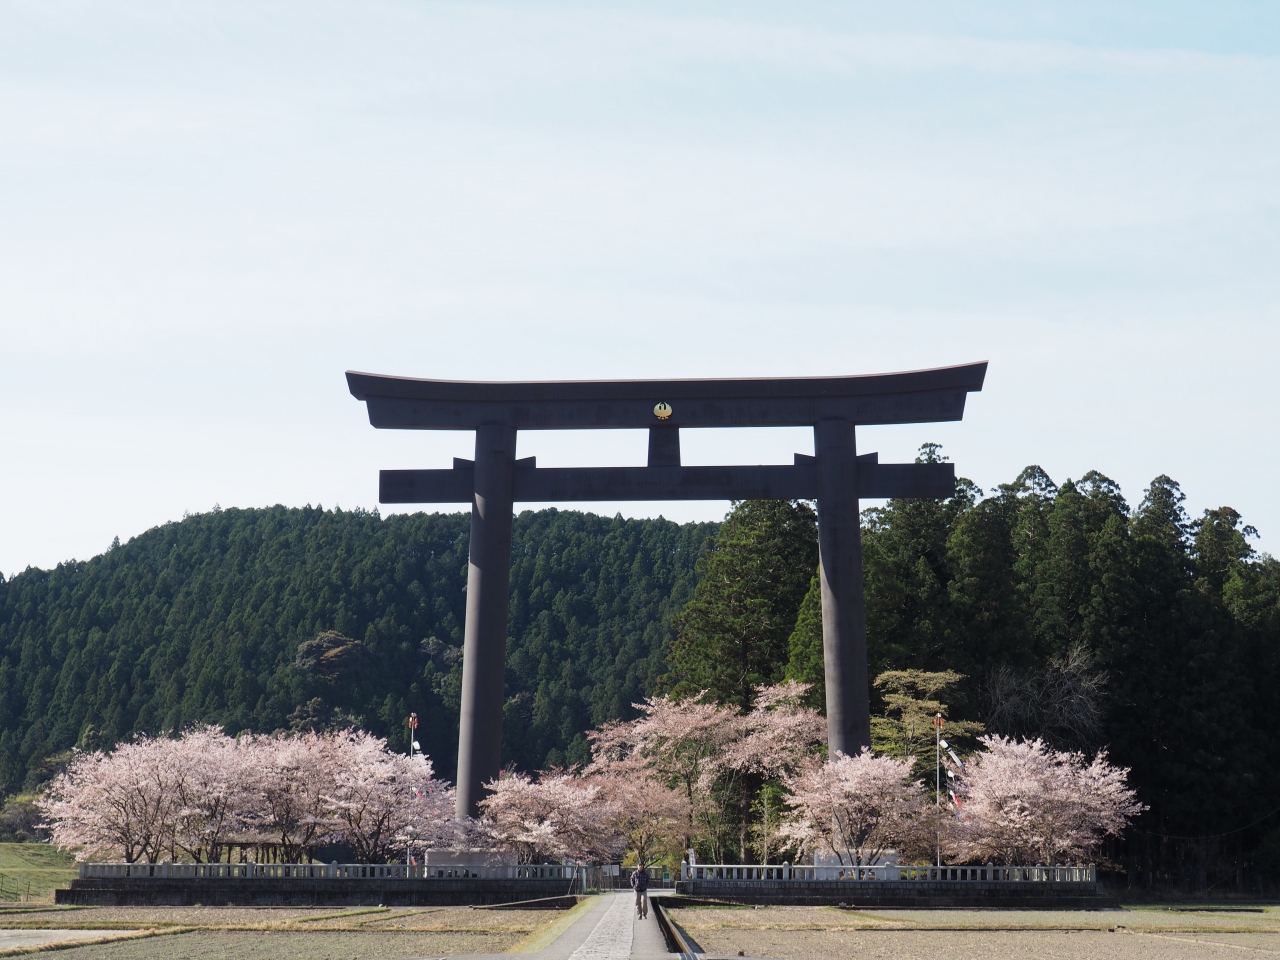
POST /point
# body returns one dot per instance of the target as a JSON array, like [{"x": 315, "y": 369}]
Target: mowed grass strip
[
  {"x": 536, "y": 940},
  {"x": 32, "y": 871}
]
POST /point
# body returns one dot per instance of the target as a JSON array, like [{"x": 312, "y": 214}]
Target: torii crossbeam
[{"x": 836, "y": 477}]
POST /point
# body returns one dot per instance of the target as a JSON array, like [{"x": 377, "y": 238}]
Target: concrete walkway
[
  {"x": 609, "y": 930},
  {"x": 610, "y": 939},
  {"x": 647, "y": 942}
]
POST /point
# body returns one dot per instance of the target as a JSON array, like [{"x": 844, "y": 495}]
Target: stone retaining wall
[
  {"x": 121, "y": 892},
  {"x": 925, "y": 896}
]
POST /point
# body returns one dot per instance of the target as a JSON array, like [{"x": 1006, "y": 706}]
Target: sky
[{"x": 209, "y": 211}]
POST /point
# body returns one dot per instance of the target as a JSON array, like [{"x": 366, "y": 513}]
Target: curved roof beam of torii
[{"x": 920, "y": 396}]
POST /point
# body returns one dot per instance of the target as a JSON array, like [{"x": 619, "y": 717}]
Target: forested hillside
[
  {"x": 279, "y": 618},
  {"x": 1080, "y": 618},
  {"x": 1071, "y": 615}
]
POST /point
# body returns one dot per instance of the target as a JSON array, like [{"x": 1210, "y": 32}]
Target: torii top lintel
[
  {"x": 664, "y": 406},
  {"x": 919, "y": 396}
]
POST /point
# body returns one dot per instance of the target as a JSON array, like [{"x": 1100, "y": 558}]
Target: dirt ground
[
  {"x": 828, "y": 933},
  {"x": 985, "y": 944},
  {"x": 327, "y": 945},
  {"x": 1147, "y": 920},
  {"x": 357, "y": 919},
  {"x": 264, "y": 933}
]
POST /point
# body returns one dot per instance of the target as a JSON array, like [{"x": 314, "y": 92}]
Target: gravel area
[
  {"x": 333, "y": 945},
  {"x": 984, "y": 945}
]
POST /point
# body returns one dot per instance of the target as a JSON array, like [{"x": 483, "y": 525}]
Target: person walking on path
[{"x": 640, "y": 884}]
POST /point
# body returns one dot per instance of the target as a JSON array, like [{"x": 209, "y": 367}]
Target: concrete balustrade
[
  {"x": 748, "y": 872},
  {"x": 325, "y": 871}
]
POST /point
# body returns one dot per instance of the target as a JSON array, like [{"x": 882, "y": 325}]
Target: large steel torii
[{"x": 836, "y": 477}]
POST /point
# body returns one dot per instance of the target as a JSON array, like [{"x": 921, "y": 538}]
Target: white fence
[
  {"x": 749, "y": 872},
  {"x": 326, "y": 871}
]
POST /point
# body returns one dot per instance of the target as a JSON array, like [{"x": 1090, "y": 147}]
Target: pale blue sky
[{"x": 208, "y": 211}]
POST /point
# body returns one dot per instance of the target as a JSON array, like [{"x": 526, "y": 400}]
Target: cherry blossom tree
[
  {"x": 210, "y": 771},
  {"x": 673, "y": 743},
  {"x": 854, "y": 807},
  {"x": 121, "y": 804},
  {"x": 193, "y": 796},
  {"x": 650, "y": 817},
  {"x": 680, "y": 742},
  {"x": 556, "y": 817},
  {"x": 718, "y": 757},
  {"x": 289, "y": 783},
  {"x": 377, "y": 798},
  {"x": 776, "y": 737},
  {"x": 1026, "y": 803}
]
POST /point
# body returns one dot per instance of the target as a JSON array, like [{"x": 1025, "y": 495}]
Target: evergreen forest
[
  {"x": 1039, "y": 610},
  {"x": 305, "y": 618}
]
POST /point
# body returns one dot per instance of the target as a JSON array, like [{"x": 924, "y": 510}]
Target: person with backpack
[{"x": 640, "y": 884}]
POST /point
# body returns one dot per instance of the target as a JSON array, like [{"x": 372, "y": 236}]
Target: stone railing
[
  {"x": 747, "y": 872},
  {"x": 325, "y": 871}
]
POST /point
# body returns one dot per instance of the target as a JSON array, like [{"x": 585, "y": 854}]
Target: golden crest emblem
[{"x": 662, "y": 410}]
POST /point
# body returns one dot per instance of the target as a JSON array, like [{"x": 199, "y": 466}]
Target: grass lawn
[{"x": 33, "y": 871}]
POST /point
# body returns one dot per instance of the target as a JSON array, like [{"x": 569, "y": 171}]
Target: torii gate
[{"x": 836, "y": 477}]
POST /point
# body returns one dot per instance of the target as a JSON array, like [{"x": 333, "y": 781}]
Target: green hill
[
  {"x": 1072, "y": 616},
  {"x": 215, "y": 618}
]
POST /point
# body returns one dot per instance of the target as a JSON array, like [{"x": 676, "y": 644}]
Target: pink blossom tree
[
  {"x": 854, "y": 807},
  {"x": 210, "y": 772},
  {"x": 778, "y": 734},
  {"x": 556, "y": 817},
  {"x": 651, "y": 818},
  {"x": 717, "y": 757},
  {"x": 377, "y": 798},
  {"x": 118, "y": 804},
  {"x": 289, "y": 784},
  {"x": 679, "y": 742},
  {"x": 193, "y": 796},
  {"x": 676, "y": 744},
  {"x": 1026, "y": 803}
]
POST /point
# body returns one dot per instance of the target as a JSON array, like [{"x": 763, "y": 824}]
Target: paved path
[
  {"x": 647, "y": 941},
  {"x": 609, "y": 930},
  {"x": 611, "y": 937}
]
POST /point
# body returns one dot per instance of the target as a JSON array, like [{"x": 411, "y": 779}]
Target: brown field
[
  {"x": 828, "y": 933},
  {"x": 984, "y": 945},
  {"x": 268, "y": 933},
  {"x": 326, "y": 945},
  {"x": 356, "y": 919}
]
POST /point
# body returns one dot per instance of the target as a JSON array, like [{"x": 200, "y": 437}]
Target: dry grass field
[
  {"x": 318, "y": 934},
  {"x": 828, "y": 933}
]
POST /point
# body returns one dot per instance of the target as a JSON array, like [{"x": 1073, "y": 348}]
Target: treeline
[
  {"x": 1040, "y": 610},
  {"x": 1046, "y": 596},
  {"x": 293, "y": 619},
  {"x": 1067, "y": 612}
]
